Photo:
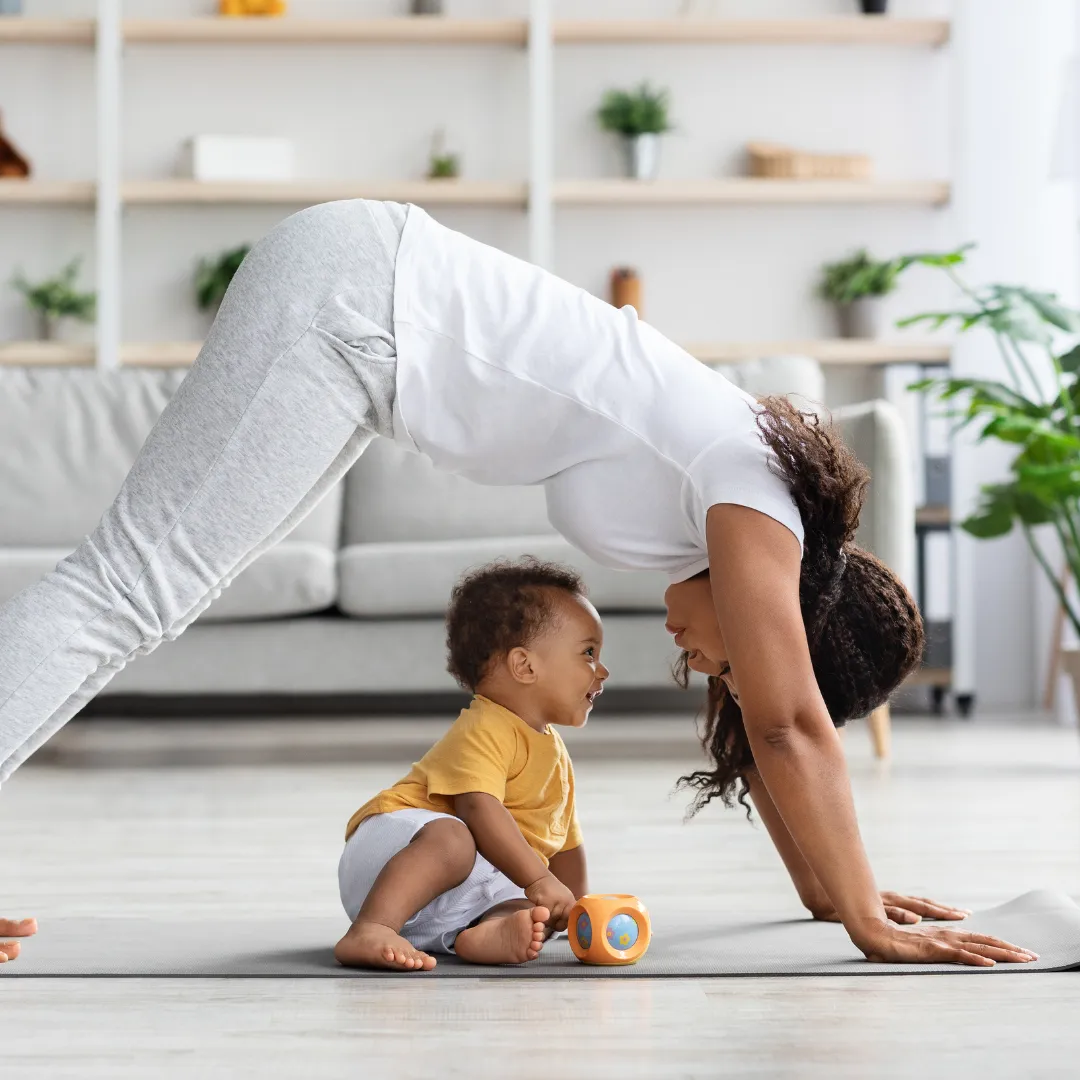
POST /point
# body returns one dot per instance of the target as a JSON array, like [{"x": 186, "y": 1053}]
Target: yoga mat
[{"x": 1046, "y": 922}]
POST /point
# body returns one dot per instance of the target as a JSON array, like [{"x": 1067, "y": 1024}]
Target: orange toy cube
[{"x": 609, "y": 928}]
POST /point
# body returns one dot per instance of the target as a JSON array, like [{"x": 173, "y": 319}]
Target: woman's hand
[
  {"x": 884, "y": 943},
  {"x": 899, "y": 908},
  {"x": 10, "y": 928}
]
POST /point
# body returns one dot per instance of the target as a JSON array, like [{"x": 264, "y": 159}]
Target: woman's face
[{"x": 691, "y": 618}]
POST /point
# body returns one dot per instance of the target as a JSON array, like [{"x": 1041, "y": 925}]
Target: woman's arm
[
  {"x": 812, "y": 895},
  {"x": 899, "y": 907},
  {"x": 754, "y": 571},
  {"x": 569, "y": 867}
]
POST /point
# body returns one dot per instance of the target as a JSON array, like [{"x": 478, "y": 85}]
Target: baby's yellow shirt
[{"x": 490, "y": 749}]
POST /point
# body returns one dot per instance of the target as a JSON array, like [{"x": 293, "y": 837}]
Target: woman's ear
[{"x": 519, "y": 662}]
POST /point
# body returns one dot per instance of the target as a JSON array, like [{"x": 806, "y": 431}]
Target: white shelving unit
[{"x": 538, "y": 195}]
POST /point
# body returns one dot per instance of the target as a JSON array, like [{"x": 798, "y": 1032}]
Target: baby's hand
[{"x": 551, "y": 893}]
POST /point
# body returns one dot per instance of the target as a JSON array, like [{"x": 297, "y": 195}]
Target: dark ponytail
[{"x": 864, "y": 630}]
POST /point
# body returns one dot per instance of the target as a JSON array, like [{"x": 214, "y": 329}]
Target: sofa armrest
[{"x": 874, "y": 431}]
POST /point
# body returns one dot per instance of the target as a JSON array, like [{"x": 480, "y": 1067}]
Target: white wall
[{"x": 710, "y": 273}]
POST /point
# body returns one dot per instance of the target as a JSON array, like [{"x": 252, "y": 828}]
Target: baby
[{"x": 478, "y": 851}]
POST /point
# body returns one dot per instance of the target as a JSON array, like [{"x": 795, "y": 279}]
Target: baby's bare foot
[
  {"x": 370, "y": 944},
  {"x": 506, "y": 939}
]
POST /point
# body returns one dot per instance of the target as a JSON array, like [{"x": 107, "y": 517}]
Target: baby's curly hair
[
  {"x": 499, "y": 607},
  {"x": 864, "y": 629}
]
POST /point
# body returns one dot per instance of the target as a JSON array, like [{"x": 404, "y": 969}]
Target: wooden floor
[{"x": 970, "y": 813}]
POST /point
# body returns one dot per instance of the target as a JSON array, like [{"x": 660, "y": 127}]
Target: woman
[{"x": 355, "y": 318}]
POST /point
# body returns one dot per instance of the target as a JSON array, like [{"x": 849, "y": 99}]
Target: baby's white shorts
[{"x": 435, "y": 927}]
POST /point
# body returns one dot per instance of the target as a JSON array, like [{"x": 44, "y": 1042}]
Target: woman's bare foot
[
  {"x": 370, "y": 944},
  {"x": 504, "y": 939}
]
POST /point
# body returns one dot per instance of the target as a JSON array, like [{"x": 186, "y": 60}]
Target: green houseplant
[
  {"x": 1036, "y": 410},
  {"x": 57, "y": 298},
  {"x": 442, "y": 165},
  {"x": 854, "y": 286},
  {"x": 213, "y": 276},
  {"x": 639, "y": 117}
]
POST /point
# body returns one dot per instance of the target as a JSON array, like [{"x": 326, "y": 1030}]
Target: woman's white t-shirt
[{"x": 509, "y": 375}]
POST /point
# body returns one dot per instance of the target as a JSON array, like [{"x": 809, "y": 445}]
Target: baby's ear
[{"x": 519, "y": 662}]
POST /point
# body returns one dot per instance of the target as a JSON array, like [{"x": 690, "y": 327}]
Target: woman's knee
[{"x": 453, "y": 842}]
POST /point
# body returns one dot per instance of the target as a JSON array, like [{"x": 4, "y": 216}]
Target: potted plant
[
  {"x": 874, "y": 7},
  {"x": 56, "y": 298},
  {"x": 639, "y": 117},
  {"x": 1035, "y": 411},
  {"x": 855, "y": 287},
  {"x": 442, "y": 165},
  {"x": 213, "y": 276}
]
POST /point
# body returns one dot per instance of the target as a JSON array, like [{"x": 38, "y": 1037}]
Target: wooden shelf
[
  {"x": 157, "y": 354},
  {"x": 307, "y": 192},
  {"x": 858, "y": 30},
  {"x": 406, "y": 30},
  {"x": 939, "y": 517},
  {"x": 45, "y": 354},
  {"x": 72, "y": 192},
  {"x": 748, "y": 190},
  {"x": 839, "y": 351},
  {"x": 180, "y": 353},
  {"x": 417, "y": 29},
  {"x": 24, "y": 31},
  {"x": 928, "y": 676}
]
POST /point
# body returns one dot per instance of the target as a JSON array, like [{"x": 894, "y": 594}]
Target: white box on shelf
[{"x": 237, "y": 157}]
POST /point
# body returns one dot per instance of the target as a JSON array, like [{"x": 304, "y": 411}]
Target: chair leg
[{"x": 880, "y": 729}]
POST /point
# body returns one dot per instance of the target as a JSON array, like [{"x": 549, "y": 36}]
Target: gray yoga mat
[{"x": 1046, "y": 922}]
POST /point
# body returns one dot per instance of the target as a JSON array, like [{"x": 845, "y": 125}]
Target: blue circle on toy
[
  {"x": 584, "y": 930},
  {"x": 622, "y": 932}
]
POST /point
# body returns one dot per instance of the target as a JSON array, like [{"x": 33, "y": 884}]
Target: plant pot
[
  {"x": 47, "y": 324},
  {"x": 642, "y": 156},
  {"x": 427, "y": 7},
  {"x": 874, "y": 7},
  {"x": 863, "y": 318}
]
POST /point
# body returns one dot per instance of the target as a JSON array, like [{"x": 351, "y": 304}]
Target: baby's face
[{"x": 569, "y": 673}]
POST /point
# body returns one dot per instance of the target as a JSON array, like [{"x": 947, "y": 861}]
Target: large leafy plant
[{"x": 1037, "y": 410}]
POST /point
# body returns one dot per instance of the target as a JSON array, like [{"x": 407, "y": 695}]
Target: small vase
[
  {"x": 642, "y": 156},
  {"x": 47, "y": 326},
  {"x": 427, "y": 7},
  {"x": 863, "y": 319},
  {"x": 874, "y": 7}
]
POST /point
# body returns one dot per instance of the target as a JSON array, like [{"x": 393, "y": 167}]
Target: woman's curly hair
[
  {"x": 498, "y": 607},
  {"x": 864, "y": 629}
]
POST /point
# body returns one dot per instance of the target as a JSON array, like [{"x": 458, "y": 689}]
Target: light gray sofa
[{"x": 352, "y": 601}]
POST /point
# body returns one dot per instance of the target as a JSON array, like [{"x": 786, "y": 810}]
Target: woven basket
[{"x": 783, "y": 163}]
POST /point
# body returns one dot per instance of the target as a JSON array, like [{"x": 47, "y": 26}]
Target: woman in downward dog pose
[{"x": 355, "y": 319}]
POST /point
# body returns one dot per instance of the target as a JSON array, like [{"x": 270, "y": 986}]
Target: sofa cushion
[
  {"x": 800, "y": 378},
  {"x": 67, "y": 440},
  {"x": 392, "y": 494},
  {"x": 415, "y": 578},
  {"x": 293, "y": 578}
]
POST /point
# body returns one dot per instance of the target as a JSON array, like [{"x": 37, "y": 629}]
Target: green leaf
[
  {"x": 1070, "y": 361},
  {"x": 1052, "y": 310},
  {"x": 986, "y": 525}
]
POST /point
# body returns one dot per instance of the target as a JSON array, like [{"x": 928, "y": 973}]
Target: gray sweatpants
[{"x": 295, "y": 379}]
